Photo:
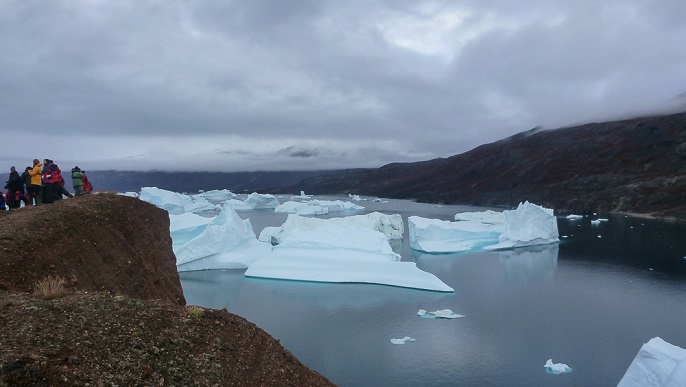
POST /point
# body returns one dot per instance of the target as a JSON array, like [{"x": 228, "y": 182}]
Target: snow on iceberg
[
  {"x": 442, "y": 313},
  {"x": 226, "y": 231},
  {"x": 390, "y": 225},
  {"x": 528, "y": 225},
  {"x": 219, "y": 195},
  {"x": 255, "y": 201},
  {"x": 557, "y": 368},
  {"x": 658, "y": 363},
  {"x": 175, "y": 203},
  {"x": 333, "y": 252},
  {"x": 441, "y": 236}
]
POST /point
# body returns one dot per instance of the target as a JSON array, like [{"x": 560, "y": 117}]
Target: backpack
[{"x": 87, "y": 186}]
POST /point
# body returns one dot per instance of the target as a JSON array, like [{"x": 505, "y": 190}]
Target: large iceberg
[
  {"x": 175, "y": 203},
  {"x": 333, "y": 252},
  {"x": 441, "y": 236},
  {"x": 309, "y": 208},
  {"x": 225, "y": 232},
  {"x": 255, "y": 201},
  {"x": 528, "y": 225},
  {"x": 658, "y": 363},
  {"x": 390, "y": 225},
  {"x": 488, "y": 216}
]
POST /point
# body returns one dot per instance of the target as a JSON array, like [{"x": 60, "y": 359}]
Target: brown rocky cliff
[{"x": 98, "y": 242}]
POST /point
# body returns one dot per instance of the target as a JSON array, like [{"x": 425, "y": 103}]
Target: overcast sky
[{"x": 309, "y": 84}]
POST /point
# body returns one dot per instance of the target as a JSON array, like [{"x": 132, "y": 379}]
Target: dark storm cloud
[{"x": 134, "y": 83}]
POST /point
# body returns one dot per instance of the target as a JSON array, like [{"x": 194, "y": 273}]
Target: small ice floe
[
  {"x": 557, "y": 368},
  {"x": 574, "y": 217},
  {"x": 443, "y": 313},
  {"x": 565, "y": 236},
  {"x": 595, "y": 222},
  {"x": 402, "y": 341},
  {"x": 600, "y": 236}
]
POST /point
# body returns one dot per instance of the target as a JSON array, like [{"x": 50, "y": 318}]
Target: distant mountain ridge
[
  {"x": 191, "y": 182},
  {"x": 634, "y": 165}
]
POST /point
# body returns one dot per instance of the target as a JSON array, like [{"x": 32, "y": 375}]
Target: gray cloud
[{"x": 137, "y": 84}]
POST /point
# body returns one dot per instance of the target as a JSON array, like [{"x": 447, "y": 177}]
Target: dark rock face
[
  {"x": 97, "y": 242},
  {"x": 636, "y": 165}
]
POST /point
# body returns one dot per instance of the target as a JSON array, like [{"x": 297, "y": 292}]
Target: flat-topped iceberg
[
  {"x": 309, "y": 208},
  {"x": 334, "y": 252},
  {"x": 219, "y": 195},
  {"x": 255, "y": 201},
  {"x": 528, "y": 225},
  {"x": 175, "y": 203},
  {"x": 442, "y": 236},
  {"x": 391, "y": 226},
  {"x": 658, "y": 363}
]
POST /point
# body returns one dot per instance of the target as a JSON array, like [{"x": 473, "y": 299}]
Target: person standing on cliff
[
  {"x": 49, "y": 180},
  {"x": 77, "y": 180},
  {"x": 15, "y": 188},
  {"x": 34, "y": 190}
]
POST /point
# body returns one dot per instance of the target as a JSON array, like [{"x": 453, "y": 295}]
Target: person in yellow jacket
[{"x": 34, "y": 191}]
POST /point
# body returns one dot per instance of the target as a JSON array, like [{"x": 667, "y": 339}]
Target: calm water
[{"x": 589, "y": 302}]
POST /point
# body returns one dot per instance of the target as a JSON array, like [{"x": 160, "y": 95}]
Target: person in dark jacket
[
  {"x": 15, "y": 188},
  {"x": 49, "y": 180},
  {"x": 26, "y": 180}
]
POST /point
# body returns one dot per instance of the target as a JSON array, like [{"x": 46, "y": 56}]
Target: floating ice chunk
[
  {"x": 390, "y": 225},
  {"x": 557, "y": 368},
  {"x": 443, "y": 313},
  {"x": 219, "y": 195},
  {"x": 440, "y": 236},
  {"x": 226, "y": 231},
  {"x": 595, "y": 222},
  {"x": 175, "y": 203},
  {"x": 658, "y": 363},
  {"x": 379, "y": 200},
  {"x": 488, "y": 216},
  {"x": 402, "y": 341},
  {"x": 336, "y": 205},
  {"x": 354, "y": 197},
  {"x": 574, "y": 217},
  {"x": 255, "y": 201},
  {"x": 528, "y": 225},
  {"x": 310, "y": 208},
  {"x": 334, "y": 253}
]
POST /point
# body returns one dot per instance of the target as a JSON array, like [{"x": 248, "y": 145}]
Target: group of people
[{"x": 41, "y": 183}]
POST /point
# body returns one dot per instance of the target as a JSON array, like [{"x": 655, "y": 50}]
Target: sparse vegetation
[
  {"x": 195, "y": 311},
  {"x": 50, "y": 287}
]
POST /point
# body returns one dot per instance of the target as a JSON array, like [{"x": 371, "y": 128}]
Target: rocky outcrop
[
  {"x": 636, "y": 165},
  {"x": 98, "y": 242}
]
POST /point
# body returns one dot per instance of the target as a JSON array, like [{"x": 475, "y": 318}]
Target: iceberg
[
  {"x": 658, "y": 363},
  {"x": 237, "y": 257},
  {"x": 186, "y": 226},
  {"x": 391, "y": 226},
  {"x": 402, "y": 341},
  {"x": 175, "y": 203},
  {"x": 225, "y": 232},
  {"x": 557, "y": 368},
  {"x": 442, "y": 236},
  {"x": 219, "y": 195},
  {"x": 332, "y": 252},
  {"x": 574, "y": 217},
  {"x": 442, "y": 313},
  {"x": 310, "y": 208},
  {"x": 255, "y": 201},
  {"x": 528, "y": 225},
  {"x": 336, "y": 205}
]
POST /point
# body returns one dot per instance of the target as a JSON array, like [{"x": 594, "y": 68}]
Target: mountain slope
[{"x": 636, "y": 165}]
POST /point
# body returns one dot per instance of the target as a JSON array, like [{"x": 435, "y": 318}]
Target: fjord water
[{"x": 590, "y": 301}]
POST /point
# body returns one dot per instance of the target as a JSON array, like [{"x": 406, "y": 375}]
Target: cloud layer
[{"x": 270, "y": 84}]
